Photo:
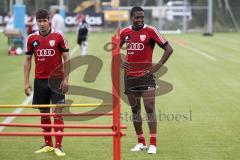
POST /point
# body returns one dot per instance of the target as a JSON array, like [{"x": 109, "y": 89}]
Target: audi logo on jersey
[
  {"x": 135, "y": 46},
  {"x": 45, "y": 52}
]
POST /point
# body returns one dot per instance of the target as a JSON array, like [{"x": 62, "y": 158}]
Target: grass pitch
[{"x": 197, "y": 120}]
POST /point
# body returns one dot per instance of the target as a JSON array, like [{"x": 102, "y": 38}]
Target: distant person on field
[
  {"x": 57, "y": 22},
  {"x": 31, "y": 24},
  {"x": 9, "y": 21},
  {"x": 50, "y": 50},
  {"x": 82, "y": 33}
]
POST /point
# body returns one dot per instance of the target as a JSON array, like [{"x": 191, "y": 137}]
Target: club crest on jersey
[
  {"x": 142, "y": 37},
  {"x": 35, "y": 43},
  {"x": 52, "y": 43},
  {"x": 127, "y": 38}
]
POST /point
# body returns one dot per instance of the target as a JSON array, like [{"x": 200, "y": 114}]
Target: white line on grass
[
  {"x": 73, "y": 51},
  {"x": 27, "y": 100},
  {"x": 201, "y": 53},
  {"x": 186, "y": 45},
  {"x": 18, "y": 110}
]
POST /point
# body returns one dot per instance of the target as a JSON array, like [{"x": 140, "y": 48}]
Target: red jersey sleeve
[
  {"x": 157, "y": 37},
  {"x": 63, "y": 44},
  {"x": 122, "y": 37},
  {"x": 29, "y": 46}
]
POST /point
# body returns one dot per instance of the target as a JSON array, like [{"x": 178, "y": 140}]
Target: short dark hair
[
  {"x": 135, "y": 9},
  {"x": 42, "y": 14},
  {"x": 57, "y": 11}
]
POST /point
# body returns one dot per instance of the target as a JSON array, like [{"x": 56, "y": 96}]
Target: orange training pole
[
  {"x": 53, "y": 114},
  {"x": 88, "y": 134},
  {"x": 85, "y": 126},
  {"x": 116, "y": 95}
]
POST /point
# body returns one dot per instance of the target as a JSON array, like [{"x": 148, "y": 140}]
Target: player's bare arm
[
  {"x": 124, "y": 64},
  {"x": 168, "y": 50},
  {"x": 27, "y": 69},
  {"x": 66, "y": 67}
]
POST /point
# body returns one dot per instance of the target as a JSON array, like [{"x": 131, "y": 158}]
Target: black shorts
[
  {"x": 138, "y": 85},
  {"x": 44, "y": 92},
  {"x": 81, "y": 40}
]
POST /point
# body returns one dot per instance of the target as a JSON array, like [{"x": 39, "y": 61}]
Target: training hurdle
[{"x": 116, "y": 126}]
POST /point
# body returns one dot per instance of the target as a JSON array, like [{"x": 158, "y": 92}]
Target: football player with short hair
[
  {"x": 50, "y": 50},
  {"x": 139, "y": 79}
]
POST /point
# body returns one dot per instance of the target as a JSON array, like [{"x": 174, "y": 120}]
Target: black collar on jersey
[
  {"x": 137, "y": 28},
  {"x": 46, "y": 34}
]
